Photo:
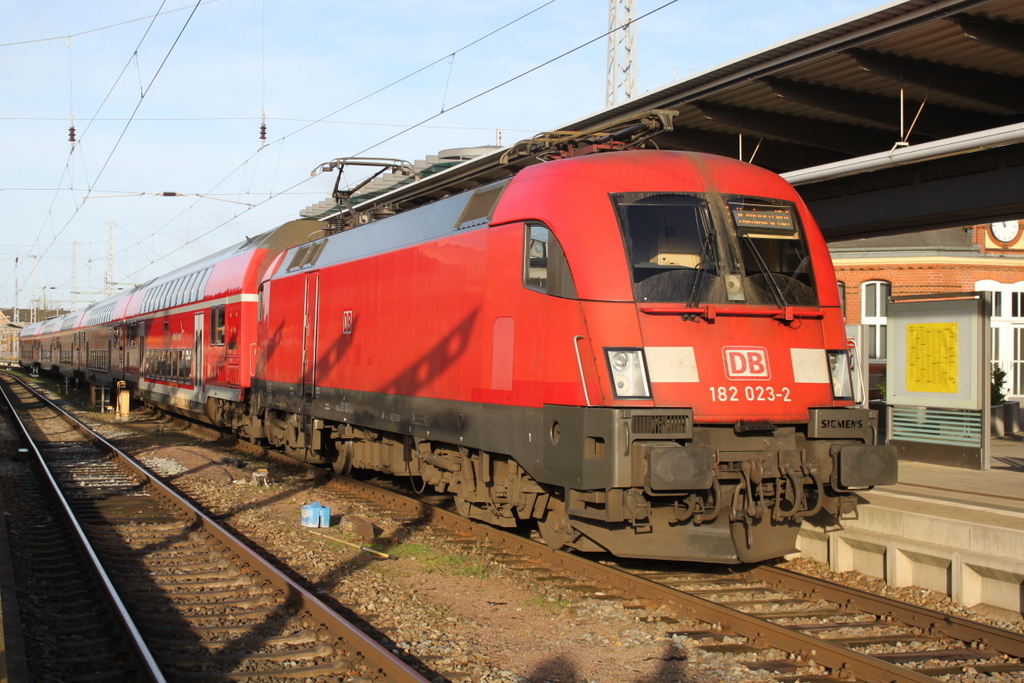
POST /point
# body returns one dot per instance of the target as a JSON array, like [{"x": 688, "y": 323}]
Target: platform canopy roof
[{"x": 907, "y": 117}]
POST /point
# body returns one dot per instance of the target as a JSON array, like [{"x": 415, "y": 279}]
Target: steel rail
[
  {"x": 379, "y": 663},
  {"x": 842, "y": 660},
  {"x": 146, "y": 660},
  {"x": 1006, "y": 642}
]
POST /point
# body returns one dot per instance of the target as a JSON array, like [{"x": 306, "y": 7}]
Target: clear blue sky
[{"x": 196, "y": 131}]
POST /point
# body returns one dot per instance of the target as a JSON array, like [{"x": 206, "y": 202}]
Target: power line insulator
[
  {"x": 71, "y": 135},
  {"x": 263, "y": 132}
]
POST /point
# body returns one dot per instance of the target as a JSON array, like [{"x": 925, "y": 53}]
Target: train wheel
[
  {"x": 342, "y": 463},
  {"x": 554, "y": 528},
  {"x": 462, "y": 506}
]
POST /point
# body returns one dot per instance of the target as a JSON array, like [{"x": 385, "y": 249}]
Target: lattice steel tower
[{"x": 621, "y": 51}]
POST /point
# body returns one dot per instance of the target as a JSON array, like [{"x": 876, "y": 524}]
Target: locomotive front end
[{"x": 728, "y": 414}]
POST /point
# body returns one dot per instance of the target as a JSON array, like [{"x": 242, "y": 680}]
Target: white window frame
[
  {"x": 874, "y": 315},
  {"x": 1007, "y": 324}
]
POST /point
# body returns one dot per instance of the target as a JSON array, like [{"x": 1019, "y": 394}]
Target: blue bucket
[{"x": 311, "y": 514}]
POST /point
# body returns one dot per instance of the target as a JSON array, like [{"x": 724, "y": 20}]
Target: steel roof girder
[
  {"x": 936, "y": 121},
  {"x": 983, "y": 86},
  {"x": 773, "y": 154},
  {"x": 838, "y": 137},
  {"x": 1002, "y": 34}
]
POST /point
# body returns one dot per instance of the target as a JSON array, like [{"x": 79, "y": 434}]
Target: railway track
[
  {"x": 68, "y": 631},
  {"x": 204, "y": 606},
  {"x": 799, "y": 627}
]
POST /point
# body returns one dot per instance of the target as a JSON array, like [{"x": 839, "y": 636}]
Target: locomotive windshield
[{"x": 714, "y": 249}]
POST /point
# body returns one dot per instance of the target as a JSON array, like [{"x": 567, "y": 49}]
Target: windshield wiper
[
  {"x": 773, "y": 286},
  {"x": 708, "y": 262}
]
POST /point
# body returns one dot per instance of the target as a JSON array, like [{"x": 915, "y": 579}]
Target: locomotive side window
[{"x": 545, "y": 267}]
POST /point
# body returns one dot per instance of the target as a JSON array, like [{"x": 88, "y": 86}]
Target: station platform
[{"x": 954, "y": 531}]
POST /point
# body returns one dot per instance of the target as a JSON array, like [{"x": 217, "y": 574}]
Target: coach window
[
  {"x": 179, "y": 291},
  {"x": 874, "y": 316},
  {"x": 545, "y": 267},
  {"x": 217, "y": 325},
  {"x": 182, "y": 295},
  {"x": 172, "y": 293},
  {"x": 193, "y": 285},
  {"x": 185, "y": 369}
]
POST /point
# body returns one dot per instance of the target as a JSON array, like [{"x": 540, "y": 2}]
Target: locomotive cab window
[
  {"x": 776, "y": 262},
  {"x": 710, "y": 248},
  {"x": 545, "y": 267},
  {"x": 670, "y": 244}
]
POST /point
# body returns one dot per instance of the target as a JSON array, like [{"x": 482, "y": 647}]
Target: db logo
[
  {"x": 346, "y": 322},
  {"x": 746, "y": 362}
]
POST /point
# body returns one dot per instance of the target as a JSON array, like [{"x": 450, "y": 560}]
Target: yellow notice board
[{"x": 932, "y": 357}]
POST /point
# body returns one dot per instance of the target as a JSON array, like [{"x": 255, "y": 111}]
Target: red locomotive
[{"x": 643, "y": 351}]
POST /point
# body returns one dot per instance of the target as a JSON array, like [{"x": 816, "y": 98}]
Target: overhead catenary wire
[
  {"x": 421, "y": 124},
  {"x": 322, "y": 119},
  {"x": 71, "y": 98},
  {"x": 68, "y": 169},
  {"x": 76, "y": 140},
  {"x": 517, "y": 77},
  {"x": 434, "y": 116},
  {"x": 257, "y": 118},
  {"x": 125, "y": 129},
  {"x": 263, "y": 74},
  {"x": 103, "y": 28}
]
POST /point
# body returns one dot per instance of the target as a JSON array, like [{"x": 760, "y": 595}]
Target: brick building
[
  {"x": 978, "y": 258},
  {"x": 9, "y": 333}
]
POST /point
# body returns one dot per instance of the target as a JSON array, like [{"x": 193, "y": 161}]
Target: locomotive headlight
[
  {"x": 842, "y": 378},
  {"x": 620, "y": 361},
  {"x": 629, "y": 376}
]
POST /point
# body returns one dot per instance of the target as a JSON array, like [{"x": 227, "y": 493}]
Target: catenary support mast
[{"x": 621, "y": 51}]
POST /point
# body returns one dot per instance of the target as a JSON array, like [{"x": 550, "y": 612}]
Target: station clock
[{"x": 1005, "y": 231}]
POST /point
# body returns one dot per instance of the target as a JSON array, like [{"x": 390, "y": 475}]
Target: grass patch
[
  {"x": 547, "y": 604},
  {"x": 475, "y": 563}
]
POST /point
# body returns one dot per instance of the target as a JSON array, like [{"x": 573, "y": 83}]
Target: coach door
[
  {"x": 198, "y": 368},
  {"x": 309, "y": 326}
]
